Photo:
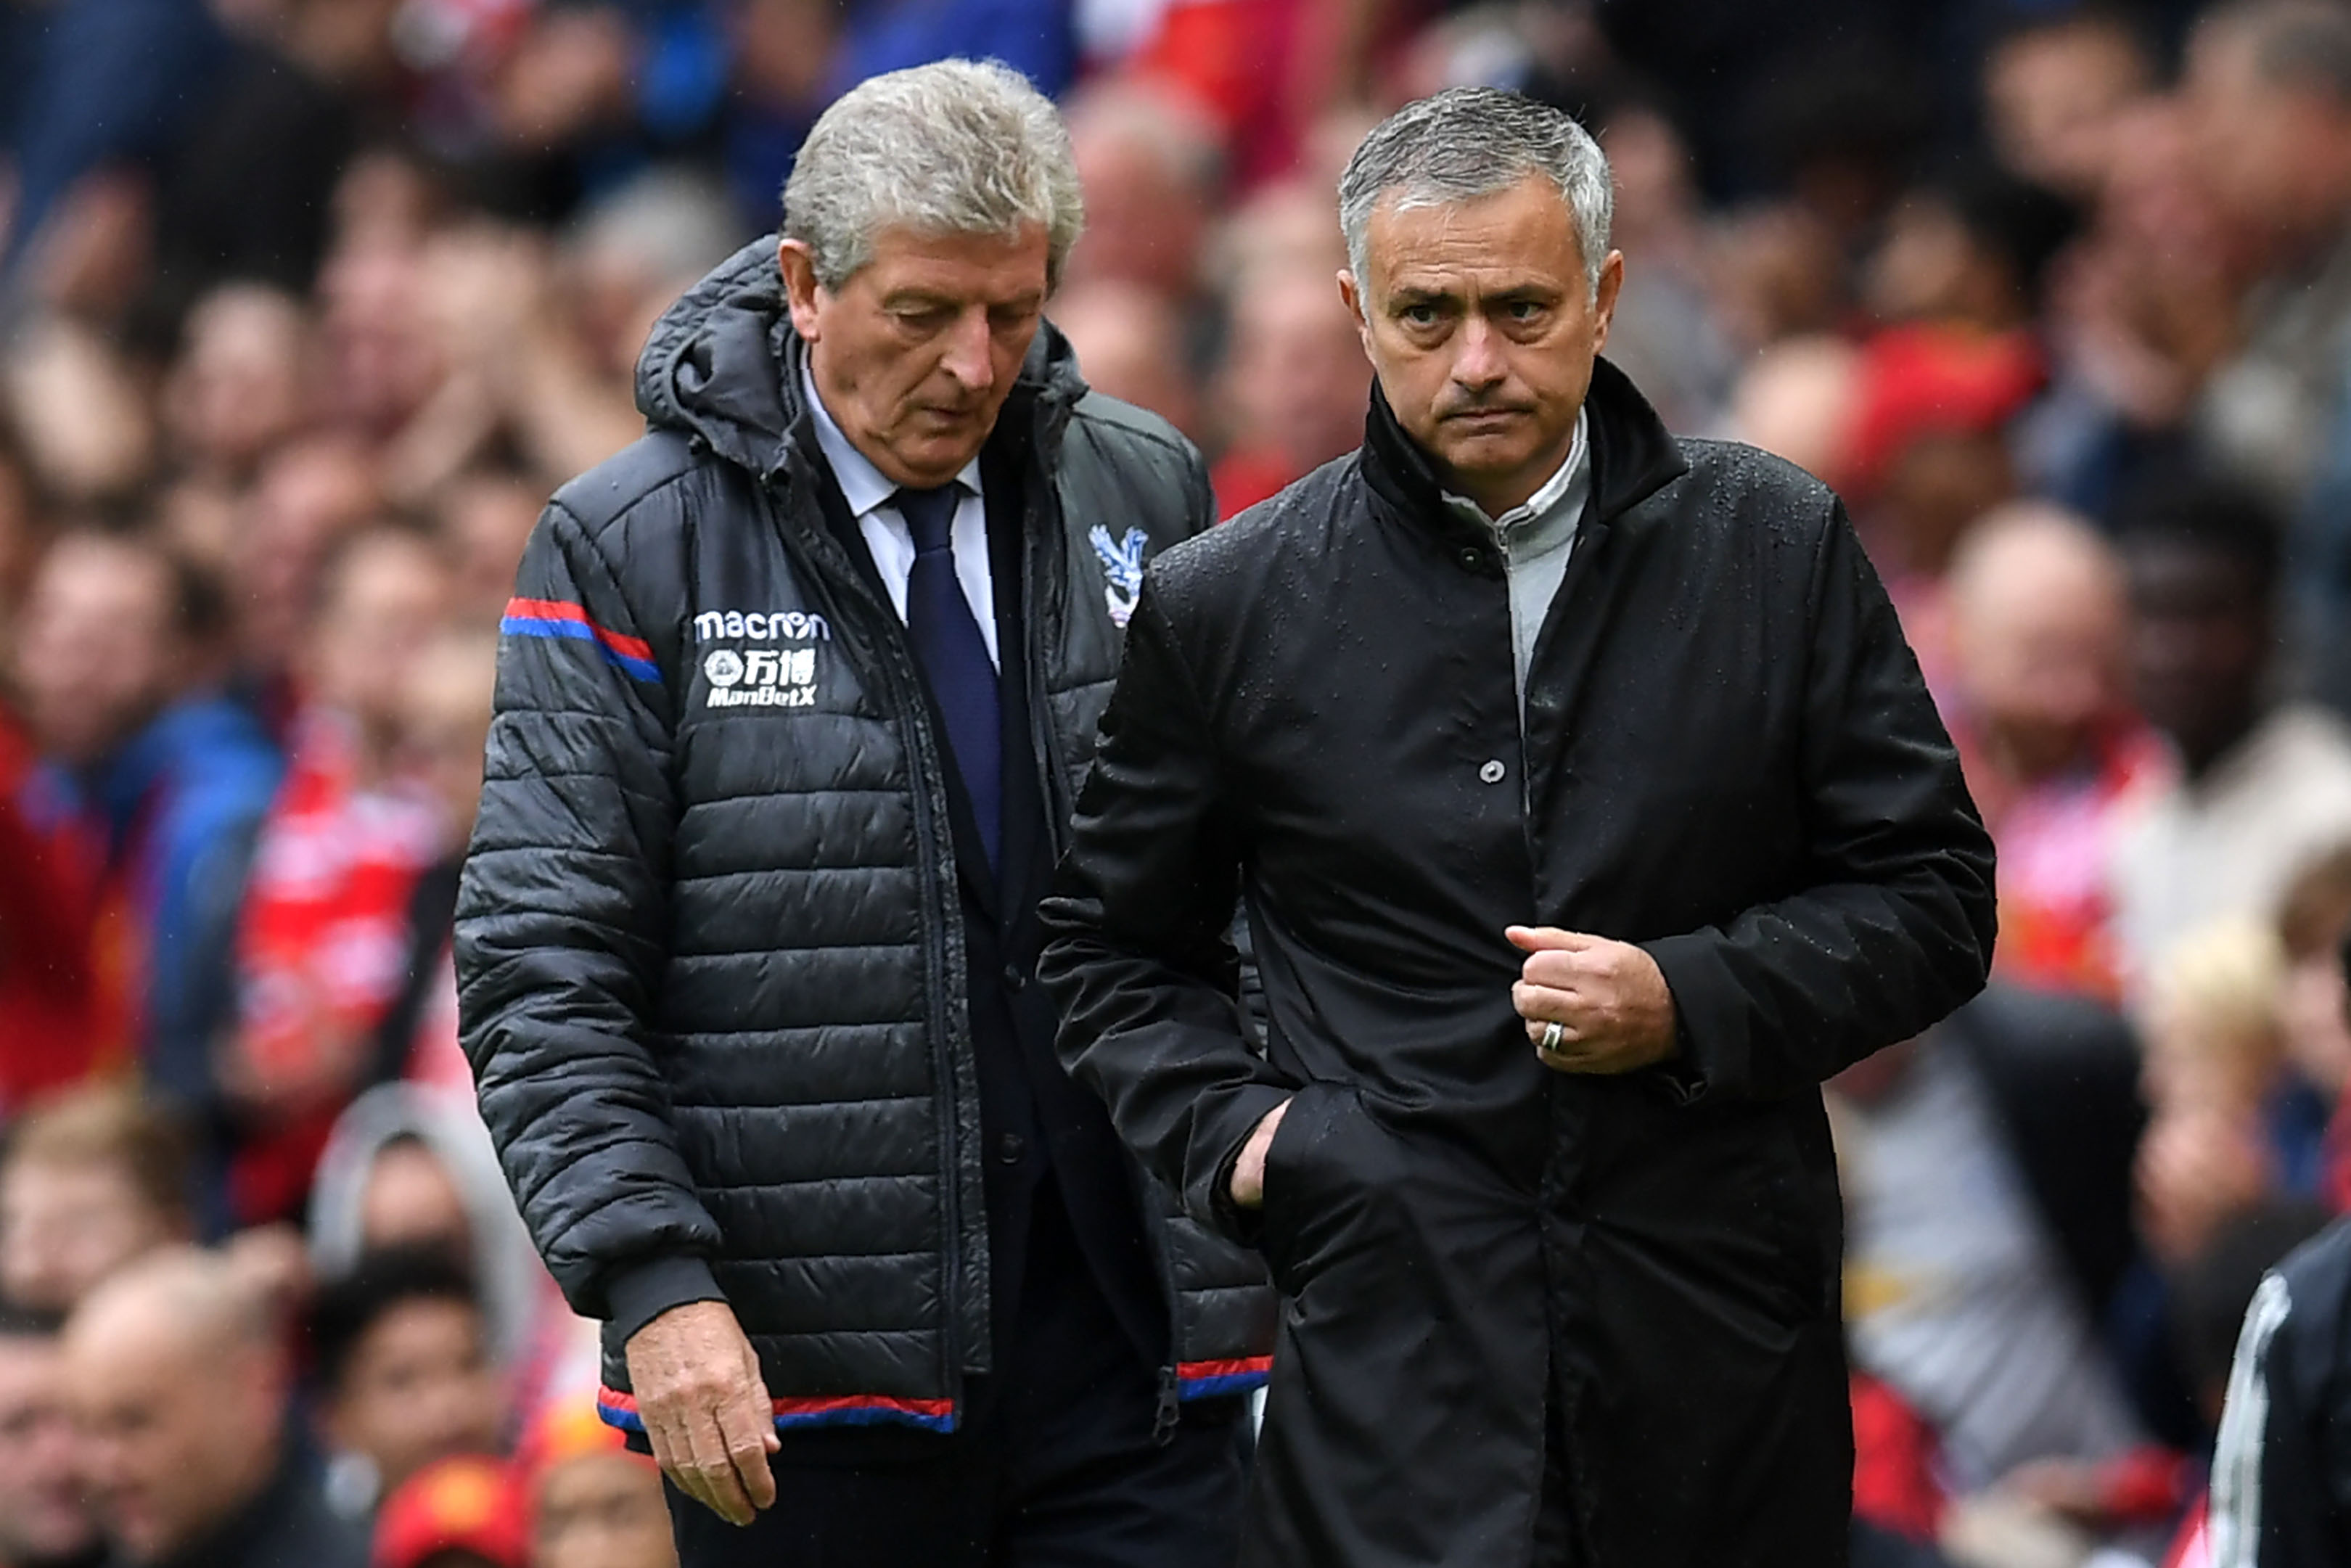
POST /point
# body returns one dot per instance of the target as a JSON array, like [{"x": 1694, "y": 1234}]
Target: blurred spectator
[
  {"x": 2224, "y": 1132},
  {"x": 2315, "y": 1008},
  {"x": 2054, "y": 86},
  {"x": 1151, "y": 170},
  {"x": 484, "y": 517},
  {"x": 148, "y": 793},
  {"x": 241, "y": 383},
  {"x": 184, "y": 1396},
  {"x": 463, "y": 1513},
  {"x": 1796, "y": 400},
  {"x": 91, "y": 1182},
  {"x": 1669, "y": 333},
  {"x": 2261, "y": 787},
  {"x": 1131, "y": 342},
  {"x": 595, "y": 1505},
  {"x": 111, "y": 80},
  {"x": 1295, "y": 385},
  {"x": 322, "y": 935},
  {"x": 399, "y": 1346},
  {"x": 2054, "y": 755},
  {"x": 2142, "y": 309},
  {"x": 408, "y": 1167},
  {"x": 1969, "y": 250},
  {"x": 311, "y": 492},
  {"x": 2267, "y": 87},
  {"x": 44, "y": 1522},
  {"x": 446, "y": 731},
  {"x": 1983, "y": 1235},
  {"x": 87, "y": 433}
]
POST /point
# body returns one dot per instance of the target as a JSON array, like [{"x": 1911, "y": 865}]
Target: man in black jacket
[
  {"x": 1525, "y": 726},
  {"x": 183, "y": 1396},
  {"x": 792, "y": 701}
]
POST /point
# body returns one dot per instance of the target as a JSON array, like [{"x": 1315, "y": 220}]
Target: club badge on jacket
[{"x": 1122, "y": 561}]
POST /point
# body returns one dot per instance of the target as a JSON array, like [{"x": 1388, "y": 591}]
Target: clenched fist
[{"x": 1610, "y": 1000}]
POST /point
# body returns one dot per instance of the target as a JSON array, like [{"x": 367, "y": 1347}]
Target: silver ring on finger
[{"x": 1553, "y": 1033}]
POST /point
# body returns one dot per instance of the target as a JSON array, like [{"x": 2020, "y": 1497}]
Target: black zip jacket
[
  {"x": 710, "y": 952},
  {"x": 1728, "y": 756}
]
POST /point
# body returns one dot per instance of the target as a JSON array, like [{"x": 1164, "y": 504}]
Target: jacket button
[
  {"x": 1010, "y": 1147},
  {"x": 1473, "y": 559},
  {"x": 1492, "y": 772},
  {"x": 1014, "y": 981}
]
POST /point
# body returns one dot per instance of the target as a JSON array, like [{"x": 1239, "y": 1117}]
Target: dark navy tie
[{"x": 954, "y": 656}]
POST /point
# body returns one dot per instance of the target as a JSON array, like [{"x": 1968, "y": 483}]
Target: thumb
[{"x": 1548, "y": 939}]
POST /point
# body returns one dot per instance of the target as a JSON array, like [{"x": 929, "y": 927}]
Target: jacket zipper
[
  {"x": 1169, "y": 1410},
  {"x": 929, "y": 785}
]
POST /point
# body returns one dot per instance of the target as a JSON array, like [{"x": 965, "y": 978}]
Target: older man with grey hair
[
  {"x": 793, "y": 699},
  {"x": 1590, "y": 811}
]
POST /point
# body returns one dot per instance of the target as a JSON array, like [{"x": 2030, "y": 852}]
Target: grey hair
[
  {"x": 1472, "y": 142},
  {"x": 958, "y": 147}
]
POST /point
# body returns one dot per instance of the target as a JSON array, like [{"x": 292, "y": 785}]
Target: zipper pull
[{"x": 1171, "y": 1408}]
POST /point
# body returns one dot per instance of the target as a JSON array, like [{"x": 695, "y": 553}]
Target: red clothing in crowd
[
  {"x": 2056, "y": 842},
  {"x": 321, "y": 948},
  {"x": 1894, "y": 1458},
  {"x": 67, "y": 953}
]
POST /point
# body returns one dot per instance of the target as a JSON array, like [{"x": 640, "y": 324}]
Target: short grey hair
[
  {"x": 1472, "y": 141},
  {"x": 958, "y": 147}
]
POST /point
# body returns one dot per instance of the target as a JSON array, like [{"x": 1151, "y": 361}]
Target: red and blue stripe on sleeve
[{"x": 554, "y": 618}]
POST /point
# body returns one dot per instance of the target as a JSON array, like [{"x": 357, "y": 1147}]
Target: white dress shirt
[{"x": 872, "y": 501}]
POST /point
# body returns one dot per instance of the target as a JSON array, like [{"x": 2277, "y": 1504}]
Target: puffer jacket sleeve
[
  {"x": 560, "y": 941},
  {"x": 1140, "y": 959},
  {"x": 1893, "y": 928}
]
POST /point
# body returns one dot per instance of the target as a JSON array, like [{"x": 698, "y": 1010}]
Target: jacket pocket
[{"x": 1313, "y": 1185}]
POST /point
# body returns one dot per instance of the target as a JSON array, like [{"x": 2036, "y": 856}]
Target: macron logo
[{"x": 780, "y": 626}]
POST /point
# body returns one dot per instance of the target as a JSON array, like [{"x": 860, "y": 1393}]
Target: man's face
[
  {"x": 1482, "y": 328},
  {"x": 176, "y": 1440},
  {"x": 2041, "y": 658},
  {"x": 99, "y": 654},
  {"x": 916, "y": 353},
  {"x": 2199, "y": 643},
  {"x": 375, "y": 619},
  {"x": 410, "y": 1200},
  {"x": 2256, "y": 143},
  {"x": 64, "y": 1227},
  {"x": 419, "y": 1388},
  {"x": 1295, "y": 377},
  {"x": 602, "y": 1510},
  {"x": 42, "y": 1515}
]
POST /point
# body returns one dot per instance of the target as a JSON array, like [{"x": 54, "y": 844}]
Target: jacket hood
[
  {"x": 723, "y": 365},
  {"x": 505, "y": 1266},
  {"x": 1633, "y": 456}
]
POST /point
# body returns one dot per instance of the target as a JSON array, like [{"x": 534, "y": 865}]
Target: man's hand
[
  {"x": 705, "y": 1409},
  {"x": 1610, "y": 1000},
  {"x": 1248, "y": 1169}
]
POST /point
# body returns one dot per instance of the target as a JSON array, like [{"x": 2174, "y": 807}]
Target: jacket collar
[
  {"x": 723, "y": 365},
  {"x": 1633, "y": 456}
]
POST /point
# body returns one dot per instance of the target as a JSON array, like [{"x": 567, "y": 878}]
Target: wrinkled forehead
[{"x": 1521, "y": 235}]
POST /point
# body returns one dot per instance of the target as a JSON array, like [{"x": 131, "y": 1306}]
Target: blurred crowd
[{"x": 306, "y": 304}]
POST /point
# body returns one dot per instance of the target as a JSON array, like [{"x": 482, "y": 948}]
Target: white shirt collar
[
  {"x": 865, "y": 488},
  {"x": 1566, "y": 484}
]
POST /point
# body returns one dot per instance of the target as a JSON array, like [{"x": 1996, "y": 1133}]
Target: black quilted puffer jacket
[{"x": 709, "y": 947}]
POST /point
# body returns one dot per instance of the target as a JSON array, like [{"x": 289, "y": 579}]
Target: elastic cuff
[{"x": 640, "y": 1293}]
